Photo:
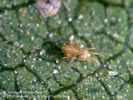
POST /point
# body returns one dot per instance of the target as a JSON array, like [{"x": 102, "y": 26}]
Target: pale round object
[{"x": 48, "y": 7}]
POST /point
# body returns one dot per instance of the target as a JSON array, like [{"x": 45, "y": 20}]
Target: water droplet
[
  {"x": 15, "y": 72},
  {"x": 34, "y": 59},
  {"x": 55, "y": 71},
  {"x": 42, "y": 52},
  {"x": 4, "y": 93},
  {"x": 0, "y": 15},
  {"x": 118, "y": 61},
  {"x": 11, "y": 23},
  {"x": 34, "y": 98},
  {"x": 112, "y": 73},
  {"x": 119, "y": 19},
  {"x": 70, "y": 19},
  {"x": 93, "y": 13},
  {"x": 116, "y": 35},
  {"x": 21, "y": 46},
  {"x": 48, "y": 63},
  {"x": 106, "y": 20},
  {"x": 40, "y": 59},
  {"x": 32, "y": 66},
  {"x": 128, "y": 63},
  {"x": 24, "y": 61},
  {"x": 105, "y": 65},
  {"x": 57, "y": 61},
  {"x": 110, "y": 86},
  {"x": 113, "y": 19},
  {"x": 34, "y": 80},
  {"x": 85, "y": 67},
  {"x": 108, "y": 32},
  {"x": 119, "y": 97},
  {"x": 59, "y": 22},
  {"x": 21, "y": 25},
  {"x": 37, "y": 25},
  {"x": 103, "y": 97},
  {"x": 3, "y": 82},
  {"x": 71, "y": 38},
  {"x": 5, "y": 64},
  {"x": 80, "y": 17},
  {"x": 51, "y": 35},
  {"x": 96, "y": 75},
  {"x": 32, "y": 38},
  {"x": 17, "y": 44}
]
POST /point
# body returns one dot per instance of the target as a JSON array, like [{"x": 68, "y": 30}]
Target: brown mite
[{"x": 75, "y": 51}]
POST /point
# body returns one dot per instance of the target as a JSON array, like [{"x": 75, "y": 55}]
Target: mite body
[
  {"x": 48, "y": 7},
  {"x": 75, "y": 51}
]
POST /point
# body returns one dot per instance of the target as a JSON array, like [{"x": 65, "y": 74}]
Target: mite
[
  {"x": 75, "y": 51},
  {"x": 48, "y": 7}
]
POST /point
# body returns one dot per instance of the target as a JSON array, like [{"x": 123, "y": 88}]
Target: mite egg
[{"x": 48, "y": 7}]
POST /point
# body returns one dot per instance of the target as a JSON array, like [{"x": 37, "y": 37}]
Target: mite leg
[
  {"x": 91, "y": 49},
  {"x": 66, "y": 57},
  {"x": 90, "y": 58},
  {"x": 96, "y": 53},
  {"x": 72, "y": 60}
]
